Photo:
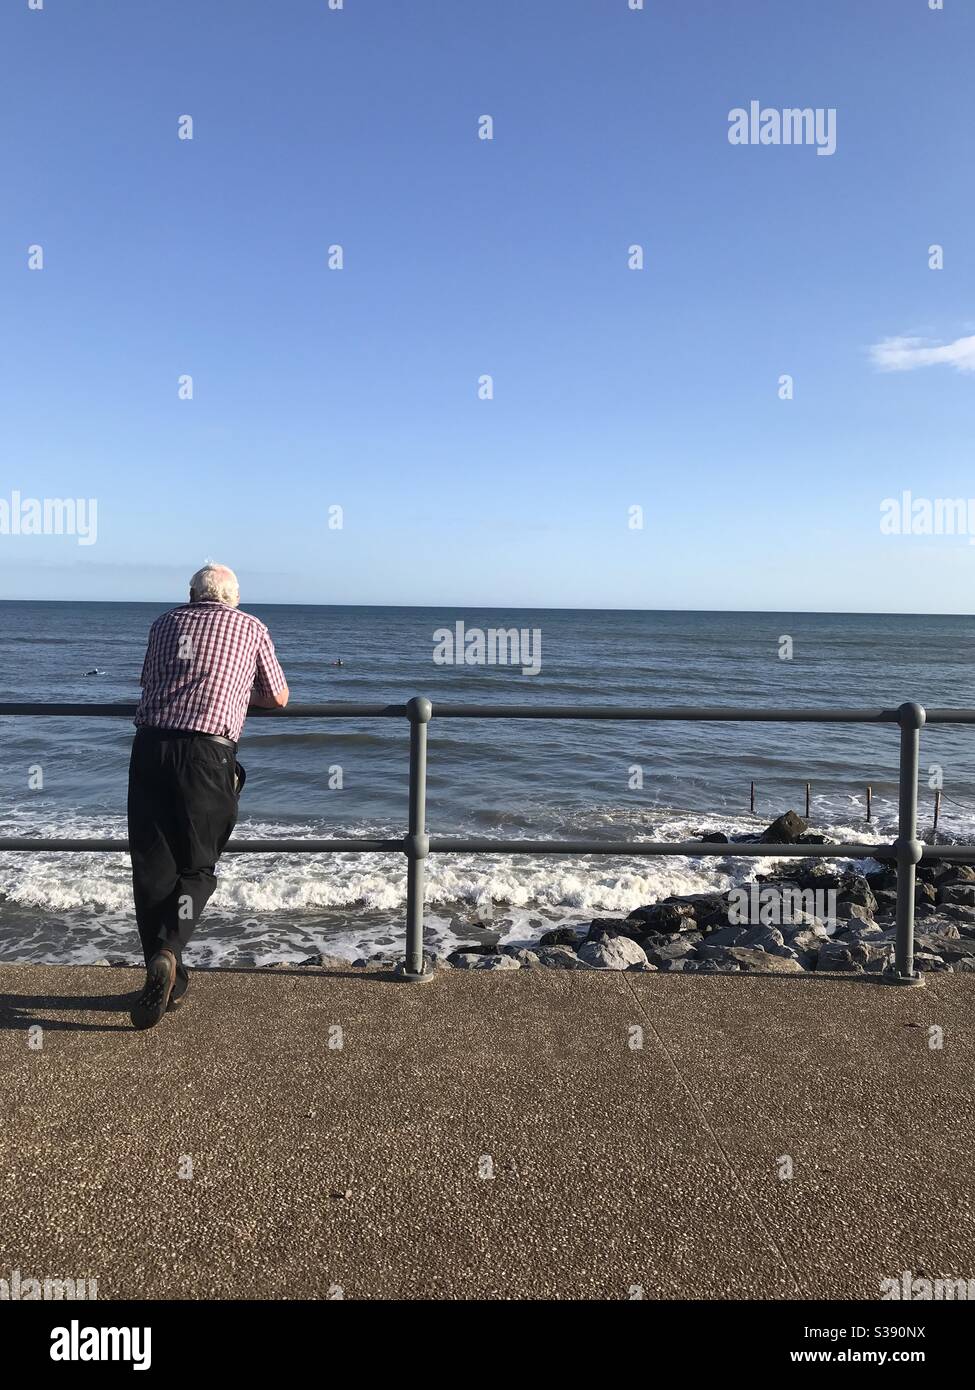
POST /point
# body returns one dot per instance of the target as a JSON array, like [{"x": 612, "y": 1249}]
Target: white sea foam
[{"x": 78, "y": 906}]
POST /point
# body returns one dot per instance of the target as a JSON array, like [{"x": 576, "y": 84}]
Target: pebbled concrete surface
[{"x": 317, "y": 1169}]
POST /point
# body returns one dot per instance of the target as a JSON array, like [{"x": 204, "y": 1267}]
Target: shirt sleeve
[
  {"x": 269, "y": 679},
  {"x": 145, "y": 660}
]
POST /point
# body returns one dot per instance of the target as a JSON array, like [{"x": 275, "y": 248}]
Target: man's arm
[
  {"x": 276, "y": 701},
  {"x": 270, "y": 689},
  {"x": 144, "y": 677}
]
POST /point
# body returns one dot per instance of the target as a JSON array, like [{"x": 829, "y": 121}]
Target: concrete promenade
[{"x": 360, "y": 1168}]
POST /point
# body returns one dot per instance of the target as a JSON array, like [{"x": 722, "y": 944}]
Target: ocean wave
[{"x": 282, "y": 883}]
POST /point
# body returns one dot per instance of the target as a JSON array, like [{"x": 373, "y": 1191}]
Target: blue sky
[{"x": 613, "y": 387}]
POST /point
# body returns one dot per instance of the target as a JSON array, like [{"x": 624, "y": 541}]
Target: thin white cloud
[{"x": 906, "y": 354}]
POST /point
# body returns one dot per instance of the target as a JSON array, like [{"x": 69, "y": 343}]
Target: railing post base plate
[
  {"x": 892, "y": 978},
  {"x": 402, "y": 973}
]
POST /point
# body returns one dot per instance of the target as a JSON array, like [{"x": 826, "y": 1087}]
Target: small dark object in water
[{"x": 95, "y": 672}]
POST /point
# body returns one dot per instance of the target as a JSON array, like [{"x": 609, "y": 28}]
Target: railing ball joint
[
  {"x": 416, "y": 846},
  {"x": 911, "y": 715},
  {"x": 419, "y": 710},
  {"x": 908, "y": 851}
]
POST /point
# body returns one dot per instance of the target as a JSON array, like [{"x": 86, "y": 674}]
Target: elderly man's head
[{"x": 215, "y": 584}]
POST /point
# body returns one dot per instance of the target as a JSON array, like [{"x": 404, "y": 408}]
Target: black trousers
[{"x": 183, "y": 791}]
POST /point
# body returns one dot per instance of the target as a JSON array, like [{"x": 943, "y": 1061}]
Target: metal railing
[{"x": 906, "y": 852}]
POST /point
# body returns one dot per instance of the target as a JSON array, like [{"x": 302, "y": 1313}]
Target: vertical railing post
[
  {"x": 416, "y": 845},
  {"x": 911, "y": 719}
]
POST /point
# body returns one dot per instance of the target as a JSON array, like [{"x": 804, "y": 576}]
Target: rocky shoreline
[{"x": 707, "y": 933}]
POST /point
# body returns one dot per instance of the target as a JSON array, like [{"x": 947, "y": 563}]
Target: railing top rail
[
  {"x": 689, "y": 713},
  {"x": 351, "y": 709},
  {"x": 334, "y": 709}
]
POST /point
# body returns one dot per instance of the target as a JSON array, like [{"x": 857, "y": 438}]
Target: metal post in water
[
  {"x": 911, "y": 719},
  {"x": 416, "y": 845},
  {"x": 869, "y": 802},
  {"x": 753, "y": 799},
  {"x": 807, "y": 800},
  {"x": 937, "y": 811}
]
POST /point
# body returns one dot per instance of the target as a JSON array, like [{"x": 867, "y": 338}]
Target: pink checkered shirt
[{"x": 202, "y": 662}]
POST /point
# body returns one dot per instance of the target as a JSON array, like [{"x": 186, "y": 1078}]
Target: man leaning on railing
[{"x": 206, "y": 664}]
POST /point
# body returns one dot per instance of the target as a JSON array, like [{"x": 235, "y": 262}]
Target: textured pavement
[{"x": 366, "y": 1168}]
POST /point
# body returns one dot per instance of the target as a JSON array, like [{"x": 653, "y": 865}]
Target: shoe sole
[{"x": 144, "y": 1016}]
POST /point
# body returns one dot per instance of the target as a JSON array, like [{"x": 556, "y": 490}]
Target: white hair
[{"x": 215, "y": 584}]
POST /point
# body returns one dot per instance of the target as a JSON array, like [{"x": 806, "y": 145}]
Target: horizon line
[{"x": 543, "y": 608}]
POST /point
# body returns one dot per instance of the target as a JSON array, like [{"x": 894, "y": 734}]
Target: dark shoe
[{"x": 152, "y": 1003}]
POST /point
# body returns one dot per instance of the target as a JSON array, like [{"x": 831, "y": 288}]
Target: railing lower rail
[{"x": 906, "y": 852}]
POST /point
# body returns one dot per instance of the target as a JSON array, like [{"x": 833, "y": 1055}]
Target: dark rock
[
  {"x": 813, "y": 838},
  {"x": 714, "y": 921},
  {"x": 559, "y": 958},
  {"x": 768, "y": 939},
  {"x": 655, "y": 938},
  {"x": 858, "y": 930},
  {"x": 809, "y": 939},
  {"x": 958, "y": 894},
  {"x": 724, "y": 936},
  {"x": 804, "y": 874},
  {"x": 326, "y": 962},
  {"x": 854, "y": 888},
  {"x": 929, "y": 871},
  {"x": 753, "y": 962},
  {"x": 700, "y": 906},
  {"x": 852, "y": 912},
  {"x": 854, "y": 956},
  {"x": 805, "y": 924},
  {"x": 606, "y": 928},
  {"x": 663, "y": 917},
  {"x": 957, "y": 912},
  {"x": 806, "y": 945},
  {"x": 615, "y": 953},
  {"x": 927, "y": 960},
  {"x": 560, "y": 936},
  {"x": 680, "y": 948},
  {"x": 949, "y": 950},
  {"x": 711, "y": 837},
  {"x": 478, "y": 960},
  {"x": 937, "y": 930},
  {"x": 786, "y": 830},
  {"x": 524, "y": 955},
  {"x": 472, "y": 950}
]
